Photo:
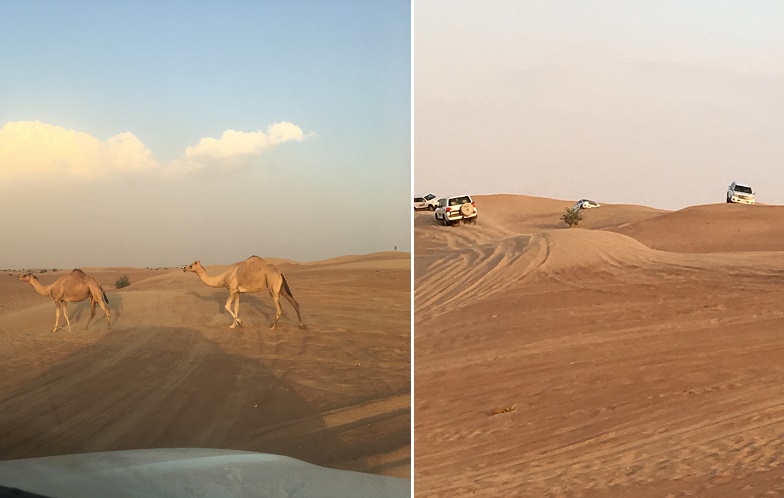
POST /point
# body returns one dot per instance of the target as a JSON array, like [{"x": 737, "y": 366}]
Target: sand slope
[
  {"x": 606, "y": 360},
  {"x": 170, "y": 373}
]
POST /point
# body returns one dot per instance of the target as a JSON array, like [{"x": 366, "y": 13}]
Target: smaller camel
[
  {"x": 72, "y": 288},
  {"x": 252, "y": 275}
]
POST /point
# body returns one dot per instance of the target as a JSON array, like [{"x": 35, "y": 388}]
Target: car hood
[{"x": 186, "y": 472}]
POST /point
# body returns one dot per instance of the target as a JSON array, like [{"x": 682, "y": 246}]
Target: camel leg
[
  {"x": 92, "y": 312},
  {"x": 278, "y": 309},
  {"x": 65, "y": 312},
  {"x": 105, "y": 310},
  {"x": 237, "y": 309},
  {"x": 296, "y": 308},
  {"x": 232, "y": 297},
  {"x": 99, "y": 297},
  {"x": 56, "y": 316}
]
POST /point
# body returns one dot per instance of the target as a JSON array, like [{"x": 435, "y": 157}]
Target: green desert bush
[
  {"x": 572, "y": 217},
  {"x": 122, "y": 282}
]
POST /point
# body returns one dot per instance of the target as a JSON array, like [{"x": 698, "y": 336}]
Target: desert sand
[
  {"x": 170, "y": 373},
  {"x": 639, "y": 354}
]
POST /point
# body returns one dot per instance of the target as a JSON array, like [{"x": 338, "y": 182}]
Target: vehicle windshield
[
  {"x": 429, "y": 197},
  {"x": 743, "y": 188}
]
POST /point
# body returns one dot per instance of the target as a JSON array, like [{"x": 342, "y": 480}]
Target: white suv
[
  {"x": 452, "y": 210},
  {"x": 738, "y": 192},
  {"x": 428, "y": 201}
]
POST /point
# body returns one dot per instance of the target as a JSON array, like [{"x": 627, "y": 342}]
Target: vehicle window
[
  {"x": 743, "y": 188},
  {"x": 419, "y": 199},
  {"x": 430, "y": 197}
]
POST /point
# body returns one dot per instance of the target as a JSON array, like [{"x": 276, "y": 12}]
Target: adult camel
[
  {"x": 72, "y": 288},
  {"x": 252, "y": 275}
]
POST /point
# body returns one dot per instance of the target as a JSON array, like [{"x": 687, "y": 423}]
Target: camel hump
[{"x": 256, "y": 262}]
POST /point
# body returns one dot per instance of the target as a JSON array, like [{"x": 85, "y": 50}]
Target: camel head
[
  {"x": 194, "y": 267},
  {"x": 25, "y": 277}
]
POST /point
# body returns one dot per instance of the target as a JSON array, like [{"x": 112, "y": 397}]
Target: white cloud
[
  {"x": 237, "y": 143},
  {"x": 31, "y": 149}
]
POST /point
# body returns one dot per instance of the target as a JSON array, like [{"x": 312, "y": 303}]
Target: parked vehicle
[
  {"x": 740, "y": 193},
  {"x": 453, "y": 210},
  {"x": 585, "y": 204},
  {"x": 428, "y": 201}
]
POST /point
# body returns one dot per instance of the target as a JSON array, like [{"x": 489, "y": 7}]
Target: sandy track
[
  {"x": 170, "y": 373},
  {"x": 581, "y": 362}
]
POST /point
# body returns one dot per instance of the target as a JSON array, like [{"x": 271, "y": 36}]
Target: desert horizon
[
  {"x": 170, "y": 373},
  {"x": 636, "y": 354}
]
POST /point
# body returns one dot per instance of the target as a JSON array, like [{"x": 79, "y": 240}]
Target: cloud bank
[{"x": 31, "y": 149}]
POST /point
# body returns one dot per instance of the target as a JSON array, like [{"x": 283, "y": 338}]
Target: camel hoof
[
  {"x": 272, "y": 327},
  {"x": 233, "y": 325},
  {"x": 303, "y": 326}
]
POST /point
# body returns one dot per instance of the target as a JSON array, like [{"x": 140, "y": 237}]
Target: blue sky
[
  {"x": 655, "y": 103},
  {"x": 157, "y": 133}
]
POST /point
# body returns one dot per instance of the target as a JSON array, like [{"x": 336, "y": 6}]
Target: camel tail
[
  {"x": 105, "y": 299},
  {"x": 286, "y": 285}
]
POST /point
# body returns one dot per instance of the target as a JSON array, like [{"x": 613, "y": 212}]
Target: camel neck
[
  {"x": 216, "y": 281},
  {"x": 43, "y": 290}
]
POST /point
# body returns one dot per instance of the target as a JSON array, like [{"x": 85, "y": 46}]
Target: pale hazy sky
[
  {"x": 660, "y": 103},
  {"x": 155, "y": 133}
]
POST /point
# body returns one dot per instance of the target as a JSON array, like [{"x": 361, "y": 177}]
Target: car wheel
[{"x": 432, "y": 208}]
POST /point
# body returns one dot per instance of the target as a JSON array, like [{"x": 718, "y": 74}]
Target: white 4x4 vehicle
[
  {"x": 738, "y": 192},
  {"x": 451, "y": 210},
  {"x": 428, "y": 201}
]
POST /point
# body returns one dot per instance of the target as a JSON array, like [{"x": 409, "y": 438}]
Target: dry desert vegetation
[
  {"x": 641, "y": 354},
  {"x": 171, "y": 373}
]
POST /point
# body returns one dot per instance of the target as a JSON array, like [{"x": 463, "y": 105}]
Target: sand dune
[
  {"x": 169, "y": 373},
  {"x": 713, "y": 228},
  {"x": 613, "y": 359}
]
